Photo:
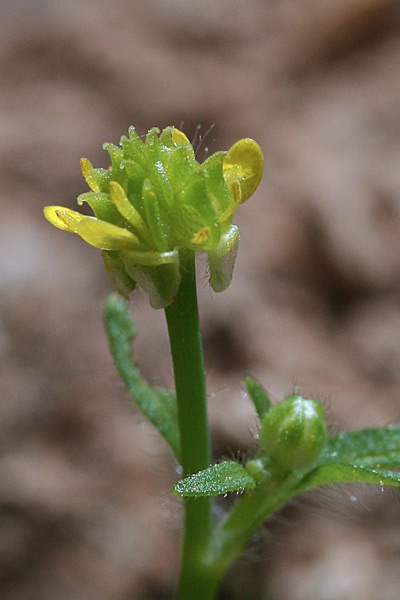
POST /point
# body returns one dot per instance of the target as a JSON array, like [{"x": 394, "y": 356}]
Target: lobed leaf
[{"x": 158, "y": 405}]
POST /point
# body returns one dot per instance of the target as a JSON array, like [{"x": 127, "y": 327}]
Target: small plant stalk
[
  {"x": 232, "y": 536},
  {"x": 187, "y": 356},
  {"x": 153, "y": 208}
]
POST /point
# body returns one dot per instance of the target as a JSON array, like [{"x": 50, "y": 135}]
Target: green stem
[
  {"x": 231, "y": 537},
  {"x": 206, "y": 555},
  {"x": 187, "y": 357}
]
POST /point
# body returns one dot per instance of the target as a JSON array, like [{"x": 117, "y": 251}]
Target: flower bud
[{"x": 293, "y": 433}]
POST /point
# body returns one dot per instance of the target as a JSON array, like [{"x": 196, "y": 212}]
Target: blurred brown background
[{"x": 86, "y": 512}]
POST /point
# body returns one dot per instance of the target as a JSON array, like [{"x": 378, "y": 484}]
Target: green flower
[{"x": 155, "y": 202}]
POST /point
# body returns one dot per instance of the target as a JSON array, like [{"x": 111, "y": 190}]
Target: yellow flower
[{"x": 157, "y": 201}]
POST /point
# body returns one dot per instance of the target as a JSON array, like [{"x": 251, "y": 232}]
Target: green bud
[
  {"x": 293, "y": 433},
  {"x": 259, "y": 469}
]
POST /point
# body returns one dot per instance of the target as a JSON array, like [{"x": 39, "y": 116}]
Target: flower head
[{"x": 157, "y": 201}]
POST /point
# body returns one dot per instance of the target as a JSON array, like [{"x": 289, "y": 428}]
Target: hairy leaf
[
  {"x": 158, "y": 405},
  {"x": 336, "y": 473},
  {"x": 373, "y": 448},
  {"x": 227, "y": 476},
  {"x": 364, "y": 455},
  {"x": 259, "y": 396}
]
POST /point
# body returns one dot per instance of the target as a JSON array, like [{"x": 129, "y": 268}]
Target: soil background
[{"x": 314, "y": 306}]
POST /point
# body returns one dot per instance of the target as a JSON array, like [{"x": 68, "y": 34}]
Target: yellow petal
[
  {"x": 236, "y": 199},
  {"x": 105, "y": 236},
  {"x": 129, "y": 212},
  {"x": 86, "y": 166},
  {"x": 90, "y": 178},
  {"x": 180, "y": 139},
  {"x": 95, "y": 232},
  {"x": 245, "y": 163},
  {"x": 62, "y": 218}
]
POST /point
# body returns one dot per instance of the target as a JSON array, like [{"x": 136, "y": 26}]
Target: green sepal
[
  {"x": 115, "y": 270},
  {"x": 160, "y": 281},
  {"x": 222, "y": 259},
  {"x": 259, "y": 396},
  {"x": 224, "y": 477},
  {"x": 157, "y": 405}
]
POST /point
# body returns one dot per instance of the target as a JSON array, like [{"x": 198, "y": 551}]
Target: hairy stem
[{"x": 232, "y": 536}]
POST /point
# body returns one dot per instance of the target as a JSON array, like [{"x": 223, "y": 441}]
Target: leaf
[
  {"x": 337, "y": 473},
  {"x": 358, "y": 456},
  {"x": 227, "y": 476},
  {"x": 369, "y": 448},
  {"x": 259, "y": 396},
  {"x": 158, "y": 405}
]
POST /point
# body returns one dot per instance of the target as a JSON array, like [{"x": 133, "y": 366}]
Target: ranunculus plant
[{"x": 154, "y": 209}]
